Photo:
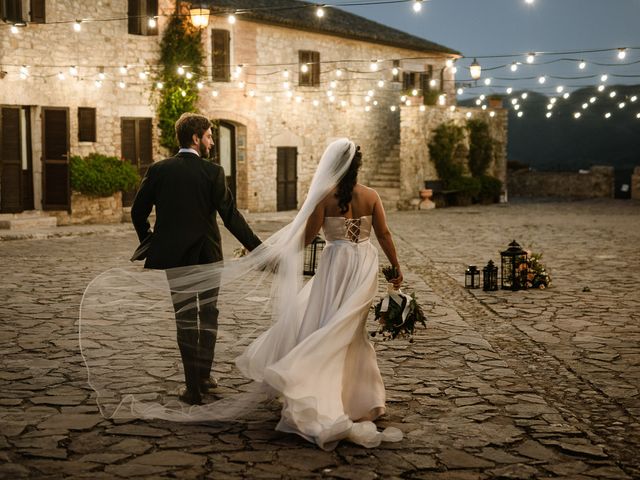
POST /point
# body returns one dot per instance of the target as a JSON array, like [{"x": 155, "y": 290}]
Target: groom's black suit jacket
[{"x": 187, "y": 192}]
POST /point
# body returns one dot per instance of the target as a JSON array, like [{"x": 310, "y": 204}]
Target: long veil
[{"x": 127, "y": 330}]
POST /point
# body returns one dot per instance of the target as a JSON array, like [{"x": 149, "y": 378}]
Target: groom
[{"x": 187, "y": 191}]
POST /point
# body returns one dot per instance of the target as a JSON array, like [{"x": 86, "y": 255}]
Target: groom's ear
[{"x": 195, "y": 140}]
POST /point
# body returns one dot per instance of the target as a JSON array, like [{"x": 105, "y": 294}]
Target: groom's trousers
[{"x": 197, "y": 328}]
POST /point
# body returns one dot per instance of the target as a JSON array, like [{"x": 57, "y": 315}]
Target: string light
[
  {"x": 542, "y": 79},
  {"x": 199, "y": 85},
  {"x": 524, "y": 95},
  {"x": 159, "y": 85},
  {"x": 395, "y": 71},
  {"x": 367, "y": 108},
  {"x": 422, "y": 108},
  {"x": 460, "y": 91},
  {"x": 304, "y": 68},
  {"x": 633, "y": 98},
  {"x": 531, "y": 57},
  {"x": 215, "y": 93},
  {"x": 484, "y": 107},
  {"x": 142, "y": 75},
  {"x": 414, "y": 92},
  {"x": 520, "y": 114},
  {"x": 101, "y": 75},
  {"x": 487, "y": 81},
  {"x": 380, "y": 83},
  {"x": 24, "y": 72},
  {"x": 592, "y": 100},
  {"x": 491, "y": 113},
  {"x": 183, "y": 93},
  {"x": 621, "y": 105},
  {"x": 392, "y": 108},
  {"x": 252, "y": 93},
  {"x": 607, "y": 115},
  {"x": 241, "y": 84},
  {"x": 285, "y": 73},
  {"x": 559, "y": 88},
  {"x": 152, "y": 22},
  {"x": 612, "y": 94},
  {"x": 121, "y": 84},
  {"x": 285, "y": 85},
  {"x": 14, "y": 29},
  {"x": 585, "y": 105},
  {"x": 333, "y": 84},
  {"x": 566, "y": 95},
  {"x": 338, "y": 73},
  {"x": 514, "y": 67},
  {"x": 577, "y": 115},
  {"x": 268, "y": 98},
  {"x": 601, "y": 88},
  {"x": 189, "y": 75},
  {"x": 180, "y": 70},
  {"x": 548, "y": 114},
  {"x": 77, "y": 26},
  {"x": 123, "y": 70},
  {"x": 371, "y": 93},
  {"x": 98, "y": 84},
  {"x": 73, "y": 71},
  {"x": 315, "y": 103},
  {"x": 482, "y": 97},
  {"x": 604, "y": 78},
  {"x": 509, "y": 90},
  {"x": 231, "y": 19},
  {"x": 417, "y": 5},
  {"x": 373, "y": 66},
  {"x": 61, "y": 76},
  {"x": 320, "y": 12},
  {"x": 582, "y": 65},
  {"x": 468, "y": 115},
  {"x": 622, "y": 53}
]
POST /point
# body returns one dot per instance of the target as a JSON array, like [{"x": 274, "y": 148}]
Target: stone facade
[
  {"x": 598, "y": 182},
  {"x": 263, "y": 116},
  {"x": 635, "y": 184},
  {"x": 90, "y": 209},
  {"x": 416, "y": 128}
]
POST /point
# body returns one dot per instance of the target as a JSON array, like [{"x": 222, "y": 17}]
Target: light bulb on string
[
  {"x": 24, "y": 72},
  {"x": 367, "y": 98},
  {"x": 371, "y": 93},
  {"x": 395, "y": 71},
  {"x": 332, "y": 99},
  {"x": 482, "y": 97},
  {"x": 101, "y": 75},
  {"x": 373, "y": 66},
  {"x": 622, "y": 105},
  {"x": 442, "y": 99},
  {"x": 484, "y": 107},
  {"x": 380, "y": 83},
  {"x": 542, "y": 79},
  {"x": 159, "y": 85},
  {"x": 188, "y": 75},
  {"x": 577, "y": 115},
  {"x": 585, "y": 105},
  {"x": 604, "y": 78},
  {"x": 516, "y": 107},
  {"x": 393, "y": 108},
  {"x": 607, "y": 115},
  {"x": 548, "y": 114},
  {"x": 333, "y": 84},
  {"x": 285, "y": 73},
  {"x": 553, "y": 100},
  {"x": 582, "y": 65},
  {"x": 152, "y": 22},
  {"x": 61, "y": 76},
  {"x": 304, "y": 68},
  {"x": 199, "y": 85},
  {"x": 241, "y": 84},
  {"x": 592, "y": 100},
  {"x": 433, "y": 82},
  {"x": 514, "y": 101},
  {"x": 252, "y": 93},
  {"x": 559, "y": 88},
  {"x": 329, "y": 93},
  {"x": 549, "y": 106},
  {"x": 448, "y": 63},
  {"x": 638, "y": 115},
  {"x": 422, "y": 108},
  {"x": 268, "y": 98},
  {"x": 452, "y": 108},
  {"x": 417, "y": 5},
  {"x": 231, "y": 19},
  {"x": 633, "y": 98},
  {"x": 343, "y": 103},
  {"x": 14, "y": 29},
  {"x": 468, "y": 114},
  {"x": 601, "y": 88},
  {"x": 460, "y": 91},
  {"x": 531, "y": 57},
  {"x": 414, "y": 92},
  {"x": 566, "y": 95},
  {"x": 77, "y": 26},
  {"x": 524, "y": 95},
  {"x": 215, "y": 93},
  {"x": 514, "y": 67},
  {"x": 403, "y": 98},
  {"x": 320, "y": 12},
  {"x": 180, "y": 70},
  {"x": 98, "y": 84},
  {"x": 408, "y": 103},
  {"x": 622, "y": 53},
  {"x": 73, "y": 71},
  {"x": 612, "y": 94},
  {"x": 123, "y": 70},
  {"x": 315, "y": 103},
  {"x": 121, "y": 84},
  {"x": 142, "y": 75},
  {"x": 285, "y": 85},
  {"x": 183, "y": 93},
  {"x": 375, "y": 103},
  {"x": 478, "y": 102},
  {"x": 520, "y": 114},
  {"x": 491, "y": 113},
  {"x": 487, "y": 81},
  {"x": 509, "y": 90},
  {"x": 367, "y": 108},
  {"x": 338, "y": 73}
]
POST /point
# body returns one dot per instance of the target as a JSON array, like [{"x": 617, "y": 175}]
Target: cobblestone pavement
[{"x": 530, "y": 384}]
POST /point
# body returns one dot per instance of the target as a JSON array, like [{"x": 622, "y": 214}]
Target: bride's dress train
[{"x": 325, "y": 368}]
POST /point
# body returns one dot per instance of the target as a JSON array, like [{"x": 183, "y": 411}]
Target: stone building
[{"x": 281, "y": 81}]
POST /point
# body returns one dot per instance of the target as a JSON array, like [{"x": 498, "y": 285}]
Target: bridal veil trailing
[{"x": 303, "y": 343}]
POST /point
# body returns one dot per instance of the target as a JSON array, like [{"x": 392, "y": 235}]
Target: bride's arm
[
  {"x": 384, "y": 237},
  {"x": 314, "y": 222}
]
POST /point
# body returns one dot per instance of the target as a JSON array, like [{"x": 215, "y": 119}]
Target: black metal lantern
[
  {"x": 472, "y": 277},
  {"x": 514, "y": 267},
  {"x": 490, "y": 277},
  {"x": 311, "y": 255}
]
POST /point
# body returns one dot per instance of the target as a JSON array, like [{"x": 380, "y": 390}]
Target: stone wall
[
  {"x": 596, "y": 183},
  {"x": 90, "y": 209},
  {"x": 416, "y": 129},
  {"x": 635, "y": 184}
]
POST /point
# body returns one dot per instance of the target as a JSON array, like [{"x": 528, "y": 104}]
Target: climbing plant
[
  {"x": 444, "y": 148},
  {"x": 181, "y": 46},
  {"x": 481, "y": 146}
]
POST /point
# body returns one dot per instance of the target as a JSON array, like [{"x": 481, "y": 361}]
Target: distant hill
[{"x": 564, "y": 143}]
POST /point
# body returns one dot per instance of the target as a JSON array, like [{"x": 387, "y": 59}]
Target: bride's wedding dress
[{"x": 329, "y": 381}]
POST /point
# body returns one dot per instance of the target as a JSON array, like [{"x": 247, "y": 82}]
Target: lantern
[
  {"x": 475, "y": 69},
  {"x": 472, "y": 277},
  {"x": 490, "y": 277},
  {"x": 311, "y": 255},
  {"x": 514, "y": 267},
  {"x": 199, "y": 15}
]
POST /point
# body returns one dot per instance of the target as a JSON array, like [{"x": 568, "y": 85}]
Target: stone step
[
  {"x": 27, "y": 221},
  {"x": 377, "y": 183},
  {"x": 386, "y": 176}
]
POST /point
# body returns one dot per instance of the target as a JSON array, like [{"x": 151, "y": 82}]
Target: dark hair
[
  {"x": 187, "y": 125},
  {"x": 346, "y": 183}
]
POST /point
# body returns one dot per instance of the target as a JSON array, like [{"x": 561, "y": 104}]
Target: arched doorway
[{"x": 225, "y": 138}]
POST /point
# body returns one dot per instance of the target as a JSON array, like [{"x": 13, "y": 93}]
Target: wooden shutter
[
  {"x": 38, "y": 11},
  {"x": 220, "y": 55},
  {"x": 134, "y": 13},
  {"x": 315, "y": 69},
  {"x": 150, "y": 11},
  {"x": 145, "y": 142},
  {"x": 12, "y": 11},
  {"x": 396, "y": 64},
  {"x": 137, "y": 148},
  {"x": 86, "y": 124},
  {"x": 55, "y": 175},
  {"x": 312, "y": 76},
  {"x": 10, "y": 160}
]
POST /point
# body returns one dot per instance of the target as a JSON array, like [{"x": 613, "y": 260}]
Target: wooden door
[
  {"x": 137, "y": 148},
  {"x": 56, "y": 191},
  {"x": 287, "y": 178},
  {"x": 10, "y": 160}
]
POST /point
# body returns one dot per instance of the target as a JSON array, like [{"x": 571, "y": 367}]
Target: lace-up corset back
[{"x": 355, "y": 230}]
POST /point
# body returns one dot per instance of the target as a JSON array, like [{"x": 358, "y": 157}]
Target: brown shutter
[
  {"x": 38, "y": 11},
  {"x": 86, "y": 124},
  {"x": 315, "y": 69},
  {"x": 12, "y": 11},
  {"x": 55, "y": 177},
  {"x": 145, "y": 143},
  {"x": 287, "y": 178},
  {"x": 133, "y": 14},
  {"x": 305, "y": 56},
  {"x": 151, "y": 11},
  {"x": 129, "y": 150},
  {"x": 10, "y": 160},
  {"x": 220, "y": 55}
]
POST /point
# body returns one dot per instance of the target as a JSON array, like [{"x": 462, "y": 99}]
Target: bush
[
  {"x": 467, "y": 185},
  {"x": 490, "y": 188},
  {"x": 101, "y": 175},
  {"x": 481, "y": 147},
  {"x": 443, "y": 148}
]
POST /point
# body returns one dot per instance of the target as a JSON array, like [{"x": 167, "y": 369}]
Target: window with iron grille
[
  {"x": 221, "y": 55},
  {"x": 139, "y": 13},
  {"x": 309, "y": 61},
  {"x": 86, "y": 124}
]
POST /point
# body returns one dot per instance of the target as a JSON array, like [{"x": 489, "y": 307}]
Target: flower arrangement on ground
[
  {"x": 397, "y": 313},
  {"x": 537, "y": 276}
]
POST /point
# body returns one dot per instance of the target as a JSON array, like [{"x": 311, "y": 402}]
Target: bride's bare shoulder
[{"x": 365, "y": 191}]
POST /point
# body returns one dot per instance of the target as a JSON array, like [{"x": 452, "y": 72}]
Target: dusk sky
[{"x": 494, "y": 27}]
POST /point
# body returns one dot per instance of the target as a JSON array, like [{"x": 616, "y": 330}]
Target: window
[
  {"x": 309, "y": 68},
  {"x": 410, "y": 80},
  {"x": 86, "y": 124},
  {"x": 11, "y": 11},
  {"x": 139, "y": 13},
  {"x": 37, "y": 13},
  {"x": 220, "y": 55},
  {"x": 396, "y": 65}
]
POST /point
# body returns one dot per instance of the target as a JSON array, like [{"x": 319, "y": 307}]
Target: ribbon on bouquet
[{"x": 397, "y": 296}]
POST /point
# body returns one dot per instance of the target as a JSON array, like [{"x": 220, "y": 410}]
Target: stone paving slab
[{"x": 535, "y": 384}]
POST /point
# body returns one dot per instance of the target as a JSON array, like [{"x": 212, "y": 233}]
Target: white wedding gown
[{"x": 325, "y": 371}]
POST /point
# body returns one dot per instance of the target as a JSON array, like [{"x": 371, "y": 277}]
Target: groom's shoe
[
  {"x": 207, "y": 384},
  {"x": 187, "y": 396}
]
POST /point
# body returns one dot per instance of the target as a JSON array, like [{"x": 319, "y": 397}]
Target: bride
[
  {"x": 316, "y": 356},
  {"x": 329, "y": 379}
]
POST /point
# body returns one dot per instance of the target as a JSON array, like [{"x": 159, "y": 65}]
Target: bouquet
[
  {"x": 537, "y": 276},
  {"x": 397, "y": 313}
]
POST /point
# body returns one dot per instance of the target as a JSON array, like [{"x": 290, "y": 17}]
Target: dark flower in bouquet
[{"x": 397, "y": 313}]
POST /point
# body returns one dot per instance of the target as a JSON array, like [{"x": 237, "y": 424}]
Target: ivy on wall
[{"x": 181, "y": 46}]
